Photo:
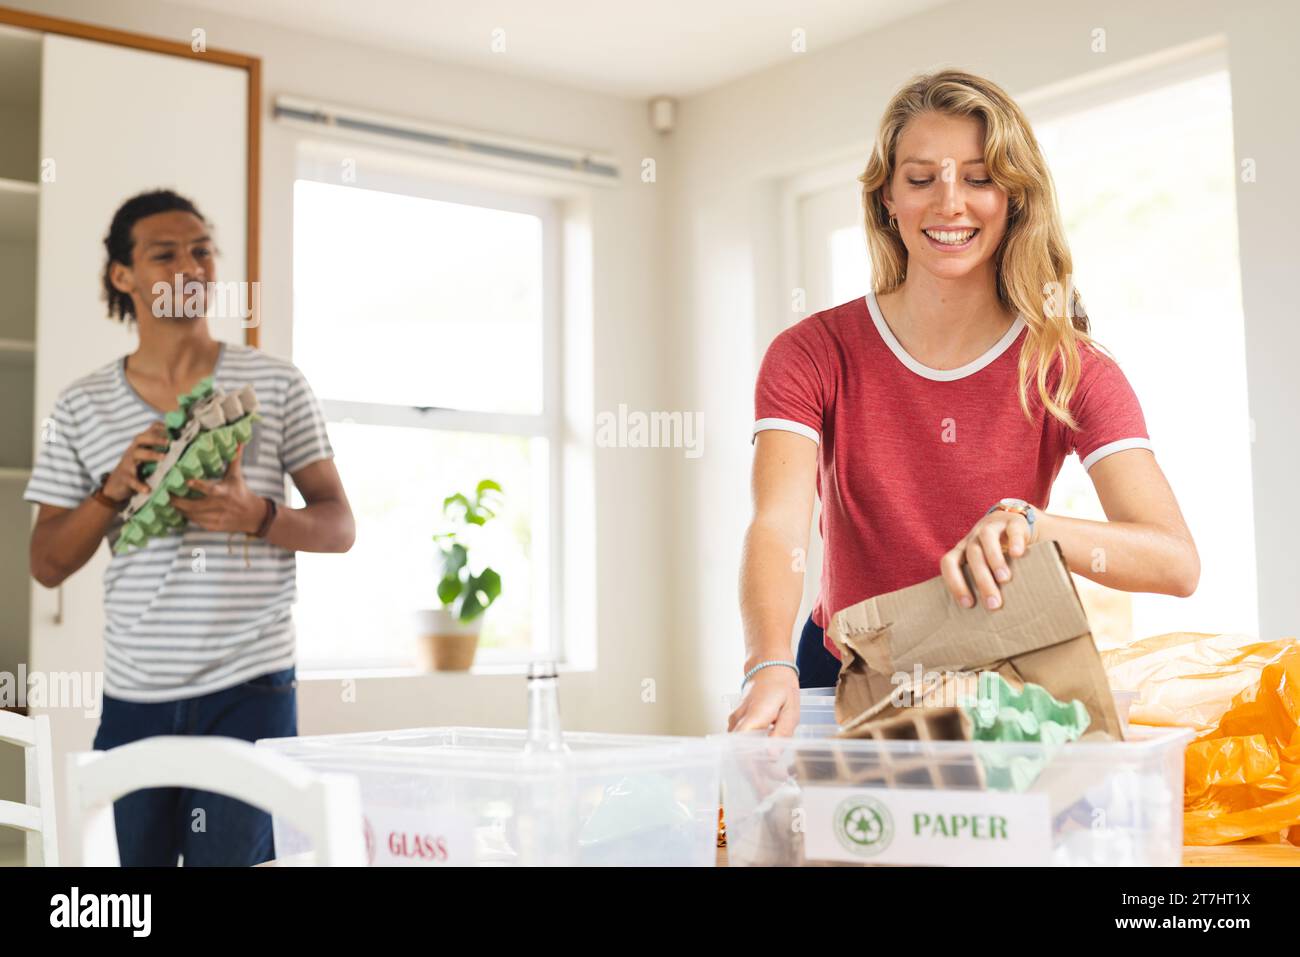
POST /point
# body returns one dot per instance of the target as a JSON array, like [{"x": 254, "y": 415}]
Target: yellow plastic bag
[
  {"x": 1187, "y": 679},
  {"x": 1242, "y": 776}
]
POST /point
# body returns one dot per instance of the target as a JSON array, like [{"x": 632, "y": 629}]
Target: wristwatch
[{"x": 1020, "y": 507}]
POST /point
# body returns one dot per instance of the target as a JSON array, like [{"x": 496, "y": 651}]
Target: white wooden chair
[
  {"x": 325, "y": 807},
  {"x": 36, "y": 815}
]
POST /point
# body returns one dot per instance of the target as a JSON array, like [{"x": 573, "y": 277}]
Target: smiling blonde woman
[{"x": 932, "y": 416}]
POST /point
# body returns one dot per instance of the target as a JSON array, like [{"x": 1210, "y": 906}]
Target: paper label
[
  {"x": 918, "y": 826},
  {"x": 428, "y": 837}
]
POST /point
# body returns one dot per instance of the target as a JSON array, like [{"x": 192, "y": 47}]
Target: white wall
[
  {"x": 736, "y": 143},
  {"x": 630, "y": 347}
]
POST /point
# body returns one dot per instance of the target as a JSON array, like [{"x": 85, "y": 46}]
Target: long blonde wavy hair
[{"x": 1033, "y": 261}]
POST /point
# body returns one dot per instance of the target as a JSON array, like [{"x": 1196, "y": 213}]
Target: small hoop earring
[{"x": 893, "y": 221}]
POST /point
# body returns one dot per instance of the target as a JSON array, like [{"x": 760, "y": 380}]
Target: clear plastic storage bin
[
  {"x": 471, "y": 796},
  {"x": 816, "y": 706},
  {"x": 817, "y": 800}
]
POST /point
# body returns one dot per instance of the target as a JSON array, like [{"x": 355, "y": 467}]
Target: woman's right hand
[
  {"x": 123, "y": 482},
  {"x": 770, "y": 698}
]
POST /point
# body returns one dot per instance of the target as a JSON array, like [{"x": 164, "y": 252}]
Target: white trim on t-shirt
[
  {"x": 1119, "y": 445},
  {"x": 939, "y": 375},
  {"x": 784, "y": 425}
]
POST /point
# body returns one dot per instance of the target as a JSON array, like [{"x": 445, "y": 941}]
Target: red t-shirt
[{"x": 911, "y": 457}]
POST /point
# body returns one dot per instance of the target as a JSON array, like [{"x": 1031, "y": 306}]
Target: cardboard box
[
  {"x": 921, "y": 724},
  {"x": 1039, "y": 635}
]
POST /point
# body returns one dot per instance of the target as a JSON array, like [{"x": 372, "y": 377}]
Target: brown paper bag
[{"x": 1039, "y": 635}]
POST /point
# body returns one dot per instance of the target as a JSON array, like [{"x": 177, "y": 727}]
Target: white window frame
[{"x": 394, "y": 173}]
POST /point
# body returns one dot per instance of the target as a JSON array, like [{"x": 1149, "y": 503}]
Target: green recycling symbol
[{"x": 863, "y": 825}]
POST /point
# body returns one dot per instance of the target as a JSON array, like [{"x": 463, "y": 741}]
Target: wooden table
[{"x": 1241, "y": 854}]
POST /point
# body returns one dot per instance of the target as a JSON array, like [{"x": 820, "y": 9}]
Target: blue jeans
[
  {"x": 156, "y": 825},
  {"x": 818, "y": 668}
]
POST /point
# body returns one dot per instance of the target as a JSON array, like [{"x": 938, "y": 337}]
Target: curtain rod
[{"x": 446, "y": 140}]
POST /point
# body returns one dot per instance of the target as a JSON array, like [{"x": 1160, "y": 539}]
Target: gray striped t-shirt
[{"x": 187, "y": 614}]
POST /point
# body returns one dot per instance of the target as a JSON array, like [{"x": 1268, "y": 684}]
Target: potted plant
[{"x": 449, "y": 635}]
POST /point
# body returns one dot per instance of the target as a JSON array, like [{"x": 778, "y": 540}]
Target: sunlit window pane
[
  {"x": 411, "y": 301},
  {"x": 850, "y": 265},
  {"x": 357, "y": 608},
  {"x": 1149, "y": 209}
]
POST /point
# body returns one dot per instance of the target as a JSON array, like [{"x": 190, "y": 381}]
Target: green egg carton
[
  {"x": 205, "y": 433},
  {"x": 1001, "y": 713}
]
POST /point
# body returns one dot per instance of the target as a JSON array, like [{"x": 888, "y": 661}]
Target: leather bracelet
[
  {"x": 109, "y": 503},
  {"x": 267, "y": 519}
]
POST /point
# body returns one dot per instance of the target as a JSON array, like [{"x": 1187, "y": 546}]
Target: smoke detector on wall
[{"x": 663, "y": 114}]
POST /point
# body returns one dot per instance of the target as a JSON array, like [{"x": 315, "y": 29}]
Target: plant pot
[{"x": 446, "y": 643}]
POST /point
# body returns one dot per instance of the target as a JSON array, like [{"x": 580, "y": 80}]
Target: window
[
  {"x": 425, "y": 318},
  {"x": 1147, "y": 193},
  {"x": 850, "y": 264}
]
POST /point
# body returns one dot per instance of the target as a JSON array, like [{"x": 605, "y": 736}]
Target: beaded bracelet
[{"x": 767, "y": 664}]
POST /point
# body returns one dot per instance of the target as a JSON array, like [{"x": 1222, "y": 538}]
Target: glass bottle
[{"x": 544, "y": 732}]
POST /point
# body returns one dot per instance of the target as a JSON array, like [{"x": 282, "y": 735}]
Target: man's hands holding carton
[
  {"x": 227, "y": 505},
  {"x": 149, "y": 446}
]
